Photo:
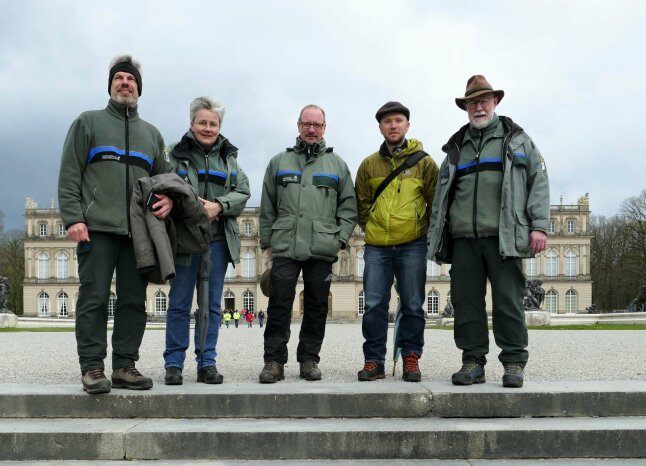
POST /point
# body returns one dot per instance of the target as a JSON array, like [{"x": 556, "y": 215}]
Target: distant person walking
[
  {"x": 236, "y": 317},
  {"x": 261, "y": 318},
  {"x": 249, "y": 318},
  {"x": 227, "y": 317}
]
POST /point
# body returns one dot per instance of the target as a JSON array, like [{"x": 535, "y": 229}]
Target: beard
[{"x": 130, "y": 101}]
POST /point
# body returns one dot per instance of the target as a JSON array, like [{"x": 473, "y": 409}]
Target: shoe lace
[
  {"x": 96, "y": 374},
  {"x": 469, "y": 366},
  {"x": 370, "y": 366},
  {"x": 132, "y": 370},
  {"x": 309, "y": 365},
  {"x": 271, "y": 365},
  {"x": 410, "y": 362},
  {"x": 513, "y": 368}
]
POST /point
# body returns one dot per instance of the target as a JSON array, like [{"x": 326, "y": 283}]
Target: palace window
[
  {"x": 42, "y": 229},
  {"x": 61, "y": 230},
  {"x": 551, "y": 228},
  {"x": 571, "y": 302},
  {"x": 360, "y": 264},
  {"x": 432, "y": 269},
  {"x": 551, "y": 301},
  {"x": 570, "y": 263},
  {"x": 248, "y": 265},
  {"x": 112, "y": 302},
  {"x": 571, "y": 226},
  {"x": 531, "y": 267},
  {"x": 248, "y": 301},
  {"x": 231, "y": 272},
  {"x": 247, "y": 228},
  {"x": 433, "y": 302},
  {"x": 42, "y": 270},
  {"x": 160, "y": 304},
  {"x": 62, "y": 268},
  {"x": 43, "y": 305},
  {"x": 63, "y": 304},
  {"x": 551, "y": 263},
  {"x": 361, "y": 303}
]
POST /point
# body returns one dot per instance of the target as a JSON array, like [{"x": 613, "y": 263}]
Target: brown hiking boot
[
  {"x": 272, "y": 372},
  {"x": 411, "y": 368},
  {"x": 130, "y": 378},
  {"x": 371, "y": 371},
  {"x": 310, "y": 371},
  {"x": 513, "y": 376},
  {"x": 471, "y": 372},
  {"x": 94, "y": 381}
]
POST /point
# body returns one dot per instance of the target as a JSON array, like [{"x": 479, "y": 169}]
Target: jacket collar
[
  {"x": 309, "y": 150},
  {"x": 188, "y": 147},
  {"x": 119, "y": 110}
]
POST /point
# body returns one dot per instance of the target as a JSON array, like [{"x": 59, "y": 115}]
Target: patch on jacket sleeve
[{"x": 541, "y": 160}]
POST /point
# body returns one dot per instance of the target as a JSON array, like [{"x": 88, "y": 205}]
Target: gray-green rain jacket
[
  {"x": 525, "y": 200},
  {"x": 308, "y": 206}
]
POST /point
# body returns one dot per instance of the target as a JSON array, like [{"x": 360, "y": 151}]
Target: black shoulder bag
[{"x": 409, "y": 162}]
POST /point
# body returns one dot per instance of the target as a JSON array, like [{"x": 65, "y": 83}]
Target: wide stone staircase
[{"x": 352, "y": 421}]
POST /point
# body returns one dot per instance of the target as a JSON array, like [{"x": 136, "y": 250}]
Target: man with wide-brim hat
[{"x": 491, "y": 209}]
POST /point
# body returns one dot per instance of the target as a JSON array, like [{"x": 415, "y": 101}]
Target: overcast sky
[{"x": 573, "y": 72}]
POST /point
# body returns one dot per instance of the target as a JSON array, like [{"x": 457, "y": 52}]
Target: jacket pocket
[
  {"x": 281, "y": 233},
  {"x": 325, "y": 238},
  {"x": 522, "y": 233}
]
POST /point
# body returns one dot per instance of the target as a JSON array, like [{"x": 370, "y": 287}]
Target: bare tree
[
  {"x": 633, "y": 211},
  {"x": 12, "y": 266}
]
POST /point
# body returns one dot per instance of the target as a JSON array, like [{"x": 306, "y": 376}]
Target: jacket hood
[
  {"x": 409, "y": 147},
  {"x": 185, "y": 148},
  {"x": 313, "y": 149}
]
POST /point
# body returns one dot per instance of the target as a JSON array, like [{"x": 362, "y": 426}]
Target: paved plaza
[{"x": 555, "y": 355}]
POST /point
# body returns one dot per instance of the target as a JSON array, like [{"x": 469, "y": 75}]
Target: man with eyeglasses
[
  {"x": 307, "y": 213},
  {"x": 395, "y": 188},
  {"x": 491, "y": 209}
]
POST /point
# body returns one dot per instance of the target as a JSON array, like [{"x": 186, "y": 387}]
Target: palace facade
[{"x": 51, "y": 278}]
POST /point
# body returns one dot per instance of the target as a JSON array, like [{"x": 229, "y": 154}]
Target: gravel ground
[{"x": 555, "y": 355}]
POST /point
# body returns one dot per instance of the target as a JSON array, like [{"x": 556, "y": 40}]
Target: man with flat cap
[
  {"x": 104, "y": 153},
  {"x": 395, "y": 188},
  {"x": 491, "y": 209}
]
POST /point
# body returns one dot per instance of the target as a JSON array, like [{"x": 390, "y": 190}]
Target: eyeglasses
[
  {"x": 309, "y": 124},
  {"x": 471, "y": 104}
]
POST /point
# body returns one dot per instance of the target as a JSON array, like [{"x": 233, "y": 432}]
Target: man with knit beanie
[
  {"x": 104, "y": 153},
  {"x": 395, "y": 188},
  {"x": 491, "y": 209}
]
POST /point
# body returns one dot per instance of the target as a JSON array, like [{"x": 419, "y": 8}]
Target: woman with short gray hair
[{"x": 206, "y": 160}]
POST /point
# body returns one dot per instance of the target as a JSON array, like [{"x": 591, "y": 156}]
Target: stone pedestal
[
  {"x": 8, "y": 320},
  {"x": 537, "y": 318}
]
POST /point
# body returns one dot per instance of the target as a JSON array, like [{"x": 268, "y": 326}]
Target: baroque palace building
[{"x": 51, "y": 278}]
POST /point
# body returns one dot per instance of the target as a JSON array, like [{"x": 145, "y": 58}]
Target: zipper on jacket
[
  {"x": 127, "y": 115},
  {"x": 475, "y": 189},
  {"x": 206, "y": 177}
]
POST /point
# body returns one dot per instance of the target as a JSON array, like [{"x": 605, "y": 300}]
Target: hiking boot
[
  {"x": 411, "y": 368},
  {"x": 272, "y": 372},
  {"x": 94, "y": 381},
  {"x": 310, "y": 371},
  {"x": 471, "y": 372},
  {"x": 513, "y": 376},
  {"x": 209, "y": 374},
  {"x": 371, "y": 371},
  {"x": 173, "y": 376},
  {"x": 130, "y": 378}
]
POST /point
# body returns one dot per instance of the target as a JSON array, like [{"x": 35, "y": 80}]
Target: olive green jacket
[
  {"x": 104, "y": 153},
  {"x": 308, "y": 207},
  {"x": 525, "y": 198},
  {"x": 223, "y": 181}
]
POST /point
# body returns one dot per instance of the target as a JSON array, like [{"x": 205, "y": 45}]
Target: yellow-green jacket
[{"x": 400, "y": 214}]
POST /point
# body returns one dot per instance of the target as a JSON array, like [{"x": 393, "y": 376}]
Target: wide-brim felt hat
[
  {"x": 478, "y": 85},
  {"x": 265, "y": 282}
]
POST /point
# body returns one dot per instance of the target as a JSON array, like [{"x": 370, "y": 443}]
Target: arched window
[
  {"x": 43, "y": 304},
  {"x": 229, "y": 300},
  {"x": 571, "y": 302},
  {"x": 248, "y": 264},
  {"x": 531, "y": 267},
  {"x": 248, "y": 301},
  {"x": 231, "y": 271},
  {"x": 62, "y": 305},
  {"x": 551, "y": 302},
  {"x": 551, "y": 263},
  {"x": 432, "y": 269},
  {"x": 62, "y": 266},
  {"x": 160, "y": 304},
  {"x": 433, "y": 302},
  {"x": 112, "y": 302},
  {"x": 42, "y": 272},
  {"x": 570, "y": 263},
  {"x": 360, "y": 266},
  {"x": 361, "y": 303}
]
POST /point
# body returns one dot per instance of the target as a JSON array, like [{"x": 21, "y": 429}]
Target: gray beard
[{"x": 129, "y": 101}]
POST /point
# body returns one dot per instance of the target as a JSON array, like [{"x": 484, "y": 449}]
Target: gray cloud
[{"x": 572, "y": 78}]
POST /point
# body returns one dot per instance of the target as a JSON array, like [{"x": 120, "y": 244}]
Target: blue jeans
[
  {"x": 407, "y": 263},
  {"x": 178, "y": 318}
]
